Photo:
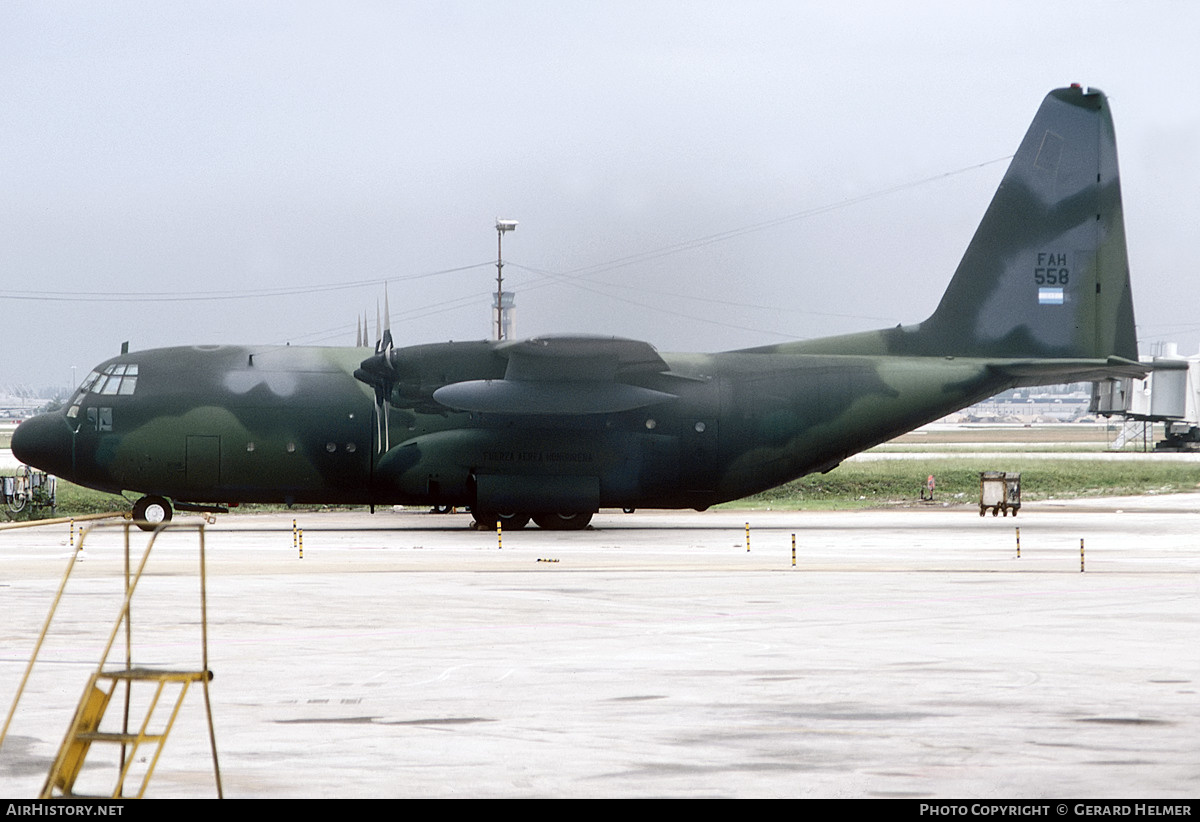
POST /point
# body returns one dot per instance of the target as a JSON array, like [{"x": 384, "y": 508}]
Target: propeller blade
[
  {"x": 387, "y": 428},
  {"x": 378, "y": 332},
  {"x": 387, "y": 320},
  {"x": 379, "y": 372}
]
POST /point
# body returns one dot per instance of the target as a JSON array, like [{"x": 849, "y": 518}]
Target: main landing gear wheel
[
  {"x": 150, "y": 512},
  {"x": 563, "y": 522},
  {"x": 509, "y": 522}
]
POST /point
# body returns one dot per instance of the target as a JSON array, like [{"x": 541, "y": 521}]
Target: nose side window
[{"x": 99, "y": 419}]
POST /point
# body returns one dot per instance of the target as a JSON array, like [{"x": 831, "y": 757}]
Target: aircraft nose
[{"x": 45, "y": 442}]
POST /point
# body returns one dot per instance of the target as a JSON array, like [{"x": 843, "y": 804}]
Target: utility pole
[{"x": 501, "y": 227}]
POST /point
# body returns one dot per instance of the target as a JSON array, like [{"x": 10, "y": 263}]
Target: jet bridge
[{"x": 1169, "y": 394}]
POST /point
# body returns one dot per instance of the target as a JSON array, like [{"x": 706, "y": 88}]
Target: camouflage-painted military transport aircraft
[{"x": 555, "y": 428}]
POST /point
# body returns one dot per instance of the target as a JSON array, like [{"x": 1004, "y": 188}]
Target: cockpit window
[
  {"x": 87, "y": 384},
  {"x": 120, "y": 378}
]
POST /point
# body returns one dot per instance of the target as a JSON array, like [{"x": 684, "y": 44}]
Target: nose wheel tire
[{"x": 150, "y": 512}]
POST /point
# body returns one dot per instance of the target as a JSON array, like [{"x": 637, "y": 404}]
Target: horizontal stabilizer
[{"x": 1040, "y": 372}]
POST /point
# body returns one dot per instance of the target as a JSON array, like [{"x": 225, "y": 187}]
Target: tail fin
[{"x": 1046, "y": 274}]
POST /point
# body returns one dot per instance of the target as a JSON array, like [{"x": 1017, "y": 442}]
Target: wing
[{"x": 562, "y": 376}]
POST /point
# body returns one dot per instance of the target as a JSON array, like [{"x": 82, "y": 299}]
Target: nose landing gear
[{"x": 150, "y": 512}]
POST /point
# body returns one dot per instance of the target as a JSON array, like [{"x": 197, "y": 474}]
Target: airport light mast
[{"x": 501, "y": 227}]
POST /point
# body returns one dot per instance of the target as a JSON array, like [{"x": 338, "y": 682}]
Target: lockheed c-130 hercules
[{"x": 555, "y": 428}]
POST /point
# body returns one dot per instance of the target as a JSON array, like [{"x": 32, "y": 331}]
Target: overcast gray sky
[{"x": 156, "y": 155}]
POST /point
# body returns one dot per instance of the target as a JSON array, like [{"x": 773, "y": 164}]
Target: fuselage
[
  {"x": 229, "y": 424},
  {"x": 565, "y": 425}
]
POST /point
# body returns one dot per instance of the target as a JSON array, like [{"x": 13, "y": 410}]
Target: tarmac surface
[{"x": 907, "y": 653}]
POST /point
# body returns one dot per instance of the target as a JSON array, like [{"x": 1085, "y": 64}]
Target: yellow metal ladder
[{"x": 167, "y": 689}]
